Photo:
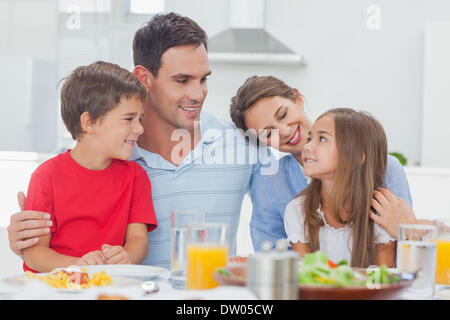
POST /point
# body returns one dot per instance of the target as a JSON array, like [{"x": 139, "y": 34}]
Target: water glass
[
  {"x": 207, "y": 250},
  {"x": 179, "y": 222},
  {"x": 443, "y": 251},
  {"x": 416, "y": 252}
]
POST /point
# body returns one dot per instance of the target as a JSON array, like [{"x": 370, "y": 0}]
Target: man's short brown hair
[
  {"x": 161, "y": 33},
  {"x": 97, "y": 89}
]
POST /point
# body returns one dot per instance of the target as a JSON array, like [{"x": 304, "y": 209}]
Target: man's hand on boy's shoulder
[
  {"x": 26, "y": 226},
  {"x": 115, "y": 255}
]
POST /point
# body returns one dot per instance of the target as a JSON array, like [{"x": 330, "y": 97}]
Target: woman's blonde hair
[{"x": 361, "y": 146}]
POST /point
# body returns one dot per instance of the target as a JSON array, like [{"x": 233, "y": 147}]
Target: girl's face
[
  {"x": 319, "y": 153},
  {"x": 280, "y": 123}
]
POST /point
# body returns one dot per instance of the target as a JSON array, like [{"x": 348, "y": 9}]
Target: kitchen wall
[{"x": 346, "y": 64}]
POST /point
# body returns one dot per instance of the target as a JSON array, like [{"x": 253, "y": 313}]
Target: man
[{"x": 171, "y": 61}]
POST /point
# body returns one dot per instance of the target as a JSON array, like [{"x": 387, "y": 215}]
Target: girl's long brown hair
[{"x": 361, "y": 146}]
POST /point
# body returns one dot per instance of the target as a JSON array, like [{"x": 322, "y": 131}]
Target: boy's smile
[{"x": 117, "y": 132}]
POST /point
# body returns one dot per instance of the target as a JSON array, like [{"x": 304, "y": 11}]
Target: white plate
[
  {"x": 135, "y": 271},
  {"x": 117, "y": 281}
]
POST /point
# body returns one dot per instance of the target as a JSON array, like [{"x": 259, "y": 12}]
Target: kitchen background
[{"x": 389, "y": 57}]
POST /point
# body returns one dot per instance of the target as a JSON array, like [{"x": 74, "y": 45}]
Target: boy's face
[
  {"x": 178, "y": 92},
  {"x": 118, "y": 130}
]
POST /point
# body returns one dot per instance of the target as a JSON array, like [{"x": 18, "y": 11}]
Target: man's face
[{"x": 178, "y": 92}]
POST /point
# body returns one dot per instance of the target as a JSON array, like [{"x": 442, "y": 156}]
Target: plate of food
[
  {"x": 72, "y": 279},
  {"x": 136, "y": 271},
  {"x": 321, "y": 279}
]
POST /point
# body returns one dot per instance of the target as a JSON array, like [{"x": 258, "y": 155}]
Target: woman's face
[{"x": 280, "y": 123}]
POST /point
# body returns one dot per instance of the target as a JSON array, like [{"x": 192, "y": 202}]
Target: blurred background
[{"x": 388, "y": 57}]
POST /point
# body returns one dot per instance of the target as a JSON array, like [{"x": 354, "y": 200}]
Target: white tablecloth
[{"x": 38, "y": 290}]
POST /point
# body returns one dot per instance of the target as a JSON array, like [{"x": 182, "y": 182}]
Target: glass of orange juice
[
  {"x": 207, "y": 250},
  {"x": 443, "y": 251}
]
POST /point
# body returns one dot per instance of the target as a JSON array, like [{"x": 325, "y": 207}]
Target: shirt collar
[{"x": 211, "y": 130}]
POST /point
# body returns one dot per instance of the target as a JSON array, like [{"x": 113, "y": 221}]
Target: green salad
[{"x": 317, "y": 269}]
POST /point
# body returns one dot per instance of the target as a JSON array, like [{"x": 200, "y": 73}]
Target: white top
[{"x": 335, "y": 243}]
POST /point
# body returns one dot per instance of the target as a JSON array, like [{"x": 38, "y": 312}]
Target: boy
[{"x": 98, "y": 201}]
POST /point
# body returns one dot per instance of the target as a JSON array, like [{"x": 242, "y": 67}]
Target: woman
[{"x": 275, "y": 112}]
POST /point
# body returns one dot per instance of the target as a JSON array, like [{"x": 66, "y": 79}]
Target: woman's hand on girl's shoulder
[{"x": 389, "y": 211}]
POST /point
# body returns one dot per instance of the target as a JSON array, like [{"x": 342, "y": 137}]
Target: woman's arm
[
  {"x": 43, "y": 259},
  {"x": 391, "y": 211},
  {"x": 385, "y": 254}
]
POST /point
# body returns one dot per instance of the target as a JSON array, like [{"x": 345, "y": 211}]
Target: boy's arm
[
  {"x": 385, "y": 254},
  {"x": 43, "y": 259},
  {"x": 136, "y": 242}
]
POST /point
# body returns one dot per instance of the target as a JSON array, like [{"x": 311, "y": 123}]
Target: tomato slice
[{"x": 331, "y": 264}]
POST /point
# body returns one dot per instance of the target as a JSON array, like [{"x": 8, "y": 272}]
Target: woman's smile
[{"x": 295, "y": 137}]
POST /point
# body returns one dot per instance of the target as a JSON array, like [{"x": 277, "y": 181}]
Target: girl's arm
[
  {"x": 43, "y": 259},
  {"x": 385, "y": 254},
  {"x": 136, "y": 242},
  {"x": 300, "y": 248}
]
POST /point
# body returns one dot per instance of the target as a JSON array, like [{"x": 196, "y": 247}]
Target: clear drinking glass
[
  {"x": 179, "y": 222},
  {"x": 207, "y": 250},
  {"x": 442, "y": 251},
  {"x": 416, "y": 252}
]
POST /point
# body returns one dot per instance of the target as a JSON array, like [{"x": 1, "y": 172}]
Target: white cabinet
[
  {"x": 28, "y": 105},
  {"x": 436, "y": 105}
]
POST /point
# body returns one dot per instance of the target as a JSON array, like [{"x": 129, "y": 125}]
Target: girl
[
  {"x": 345, "y": 155},
  {"x": 266, "y": 104}
]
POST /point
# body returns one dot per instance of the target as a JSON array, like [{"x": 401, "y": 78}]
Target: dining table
[
  {"x": 39, "y": 290},
  {"x": 132, "y": 290}
]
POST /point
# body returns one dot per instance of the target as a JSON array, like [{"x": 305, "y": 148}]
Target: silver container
[{"x": 272, "y": 274}]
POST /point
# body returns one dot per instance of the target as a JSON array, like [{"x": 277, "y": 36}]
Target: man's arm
[{"x": 26, "y": 227}]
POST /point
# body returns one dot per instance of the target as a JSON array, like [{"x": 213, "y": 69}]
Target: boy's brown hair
[
  {"x": 253, "y": 90},
  {"x": 97, "y": 88},
  {"x": 161, "y": 33}
]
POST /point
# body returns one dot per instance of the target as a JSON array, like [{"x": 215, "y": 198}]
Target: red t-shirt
[{"x": 90, "y": 208}]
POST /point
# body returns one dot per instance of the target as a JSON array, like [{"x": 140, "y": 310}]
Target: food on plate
[
  {"x": 224, "y": 272},
  {"x": 317, "y": 269},
  {"x": 72, "y": 278},
  {"x": 237, "y": 259}
]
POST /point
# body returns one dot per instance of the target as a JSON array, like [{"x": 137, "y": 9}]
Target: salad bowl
[{"x": 321, "y": 279}]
